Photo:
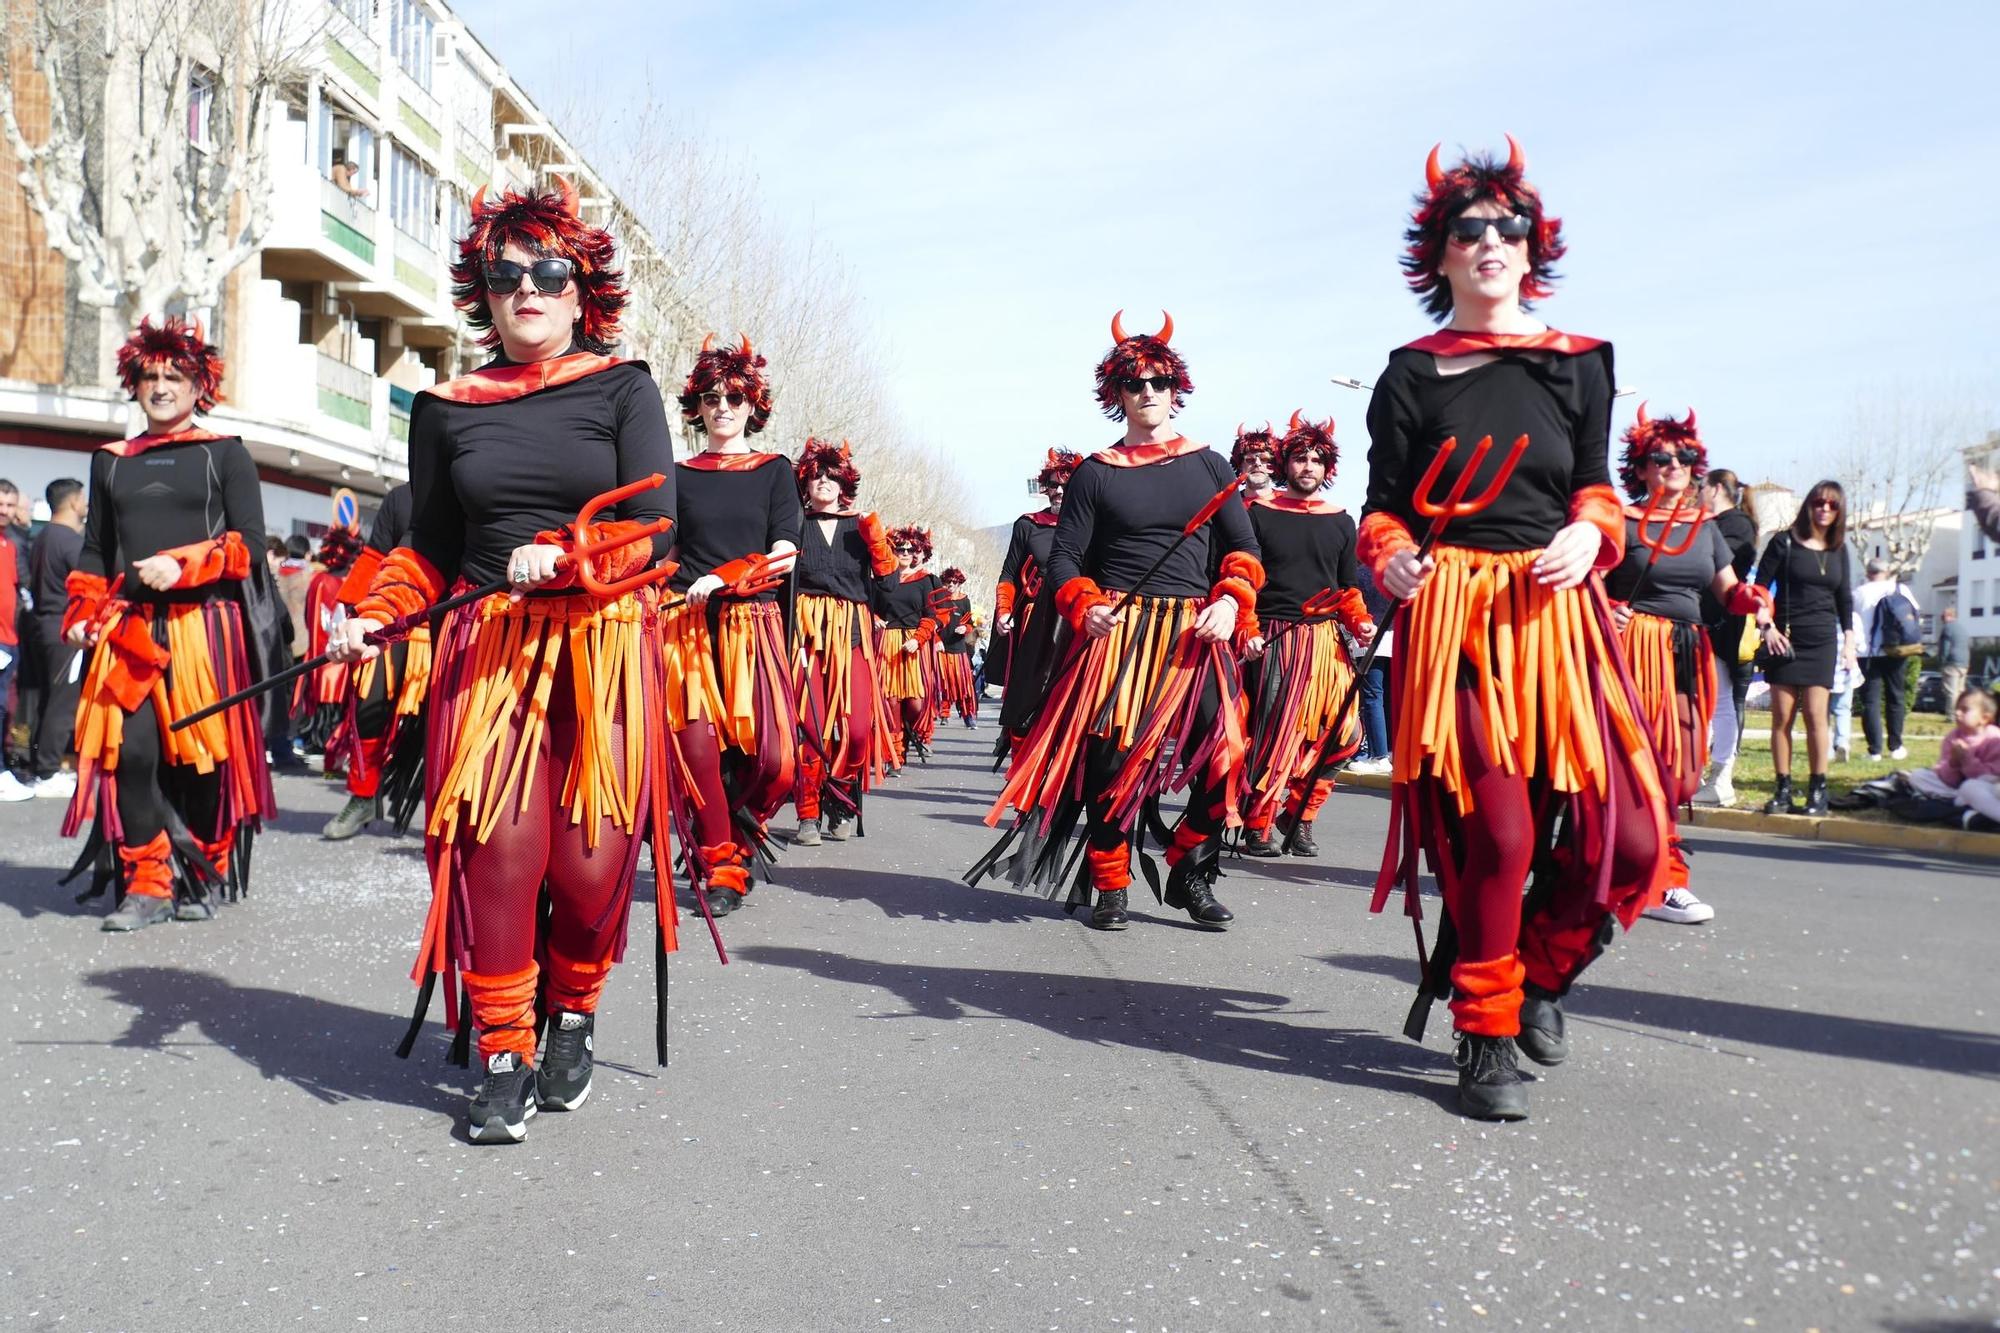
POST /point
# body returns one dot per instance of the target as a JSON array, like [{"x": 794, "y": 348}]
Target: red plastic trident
[
  {"x": 1455, "y": 504},
  {"x": 1316, "y": 607},
  {"x": 1664, "y": 543}
]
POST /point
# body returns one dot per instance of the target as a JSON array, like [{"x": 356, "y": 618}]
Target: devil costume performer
[
  {"x": 545, "y": 768},
  {"x": 911, "y": 604},
  {"x": 1107, "y": 725},
  {"x": 1521, "y": 748},
  {"x": 956, "y": 640},
  {"x": 1299, "y": 685},
  {"x": 1023, "y": 567},
  {"x": 172, "y": 814},
  {"x": 380, "y": 740},
  {"x": 728, "y": 682},
  {"x": 843, "y": 556},
  {"x": 1672, "y": 556},
  {"x": 320, "y": 697}
]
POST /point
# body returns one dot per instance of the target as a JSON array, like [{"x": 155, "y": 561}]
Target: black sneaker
[
  {"x": 500, "y": 1113},
  {"x": 1299, "y": 842},
  {"x": 1544, "y": 1037},
  {"x": 139, "y": 911},
  {"x": 562, "y": 1077},
  {"x": 1489, "y": 1078},
  {"x": 1261, "y": 843}
]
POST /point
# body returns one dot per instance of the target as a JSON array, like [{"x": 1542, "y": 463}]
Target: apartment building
[{"x": 345, "y": 313}]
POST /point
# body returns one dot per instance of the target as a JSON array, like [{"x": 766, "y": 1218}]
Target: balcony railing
[
  {"x": 347, "y": 221},
  {"x": 416, "y": 264},
  {"x": 421, "y": 115},
  {"x": 401, "y": 401},
  {"x": 346, "y": 393},
  {"x": 352, "y": 50}
]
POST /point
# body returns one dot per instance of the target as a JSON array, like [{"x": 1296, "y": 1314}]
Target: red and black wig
[
  {"x": 953, "y": 576},
  {"x": 736, "y": 369},
  {"x": 1313, "y": 439},
  {"x": 339, "y": 549},
  {"x": 1140, "y": 354},
  {"x": 824, "y": 458},
  {"x": 911, "y": 535},
  {"x": 1447, "y": 194},
  {"x": 1664, "y": 435},
  {"x": 1249, "y": 444},
  {"x": 548, "y": 225},
  {"x": 1057, "y": 470},
  {"x": 179, "y": 343}
]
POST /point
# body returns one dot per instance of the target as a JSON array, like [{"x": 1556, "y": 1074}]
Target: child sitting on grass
[{"x": 1968, "y": 768}]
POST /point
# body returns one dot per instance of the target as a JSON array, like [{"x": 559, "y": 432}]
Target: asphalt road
[{"x": 906, "y": 1103}]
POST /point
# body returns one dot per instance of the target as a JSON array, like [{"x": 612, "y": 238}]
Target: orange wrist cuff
[{"x": 404, "y": 585}]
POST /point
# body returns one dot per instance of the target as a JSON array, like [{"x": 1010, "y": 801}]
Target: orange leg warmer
[
  {"x": 149, "y": 870},
  {"x": 503, "y": 1009},
  {"x": 1487, "y": 996}
]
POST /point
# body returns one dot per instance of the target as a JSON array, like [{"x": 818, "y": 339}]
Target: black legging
[{"x": 147, "y": 787}]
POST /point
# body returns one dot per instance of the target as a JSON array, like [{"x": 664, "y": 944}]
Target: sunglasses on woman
[
  {"x": 1135, "y": 383},
  {"x": 718, "y": 399},
  {"x": 1826, "y": 503},
  {"x": 550, "y": 275},
  {"x": 1468, "y": 230},
  {"x": 1685, "y": 457}
]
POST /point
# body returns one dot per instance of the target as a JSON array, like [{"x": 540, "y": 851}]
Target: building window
[
  {"x": 201, "y": 109},
  {"x": 360, "y": 13},
  {"x": 344, "y": 141},
  {"x": 1979, "y": 597},
  {"x": 412, "y": 197},
  {"x": 410, "y": 37},
  {"x": 458, "y": 220}
]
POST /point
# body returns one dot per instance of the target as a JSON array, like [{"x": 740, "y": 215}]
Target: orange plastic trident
[
  {"x": 1455, "y": 504},
  {"x": 1664, "y": 544}
]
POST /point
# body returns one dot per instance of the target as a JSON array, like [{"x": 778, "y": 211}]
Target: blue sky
[{"x": 1772, "y": 209}]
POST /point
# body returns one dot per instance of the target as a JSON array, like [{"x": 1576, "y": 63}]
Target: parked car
[{"x": 1930, "y": 694}]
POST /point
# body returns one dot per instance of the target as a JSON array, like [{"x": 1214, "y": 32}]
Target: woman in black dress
[{"x": 1806, "y": 568}]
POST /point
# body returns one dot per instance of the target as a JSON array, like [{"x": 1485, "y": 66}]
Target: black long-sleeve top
[
  {"x": 1562, "y": 403},
  {"x": 391, "y": 527},
  {"x": 1027, "y": 556},
  {"x": 906, "y": 604},
  {"x": 835, "y": 565},
  {"x": 1116, "y": 520},
  {"x": 166, "y": 495},
  {"x": 1673, "y": 590},
  {"x": 958, "y": 613},
  {"x": 57, "y": 549},
  {"x": 1814, "y": 589},
  {"x": 1304, "y": 552},
  {"x": 729, "y": 512},
  {"x": 488, "y": 474}
]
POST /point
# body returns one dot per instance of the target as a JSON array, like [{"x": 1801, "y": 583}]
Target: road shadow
[
  {"x": 1243, "y": 1029},
  {"x": 1946, "y": 1050},
  {"x": 333, "y": 1052},
  {"x": 926, "y": 794},
  {"x": 920, "y": 897},
  {"x": 32, "y": 891}
]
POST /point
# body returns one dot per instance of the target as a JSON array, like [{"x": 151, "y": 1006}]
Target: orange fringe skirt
[
  {"x": 900, "y": 672},
  {"x": 729, "y": 669},
  {"x": 1304, "y": 676},
  {"x": 1671, "y": 662},
  {"x": 827, "y": 631}
]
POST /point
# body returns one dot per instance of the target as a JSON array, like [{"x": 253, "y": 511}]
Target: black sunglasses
[
  {"x": 1469, "y": 230},
  {"x": 1825, "y": 502},
  {"x": 1134, "y": 383},
  {"x": 716, "y": 399},
  {"x": 1685, "y": 457},
  {"x": 550, "y": 275}
]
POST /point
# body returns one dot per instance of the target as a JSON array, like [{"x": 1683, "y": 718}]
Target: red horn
[
  {"x": 1166, "y": 333},
  {"x": 1517, "y": 161},
  {"x": 1644, "y": 420},
  {"x": 708, "y": 344},
  {"x": 199, "y": 335},
  {"x": 1295, "y": 421},
  {"x": 1433, "y": 173},
  {"x": 749, "y": 352},
  {"x": 1118, "y": 327},
  {"x": 478, "y": 200},
  {"x": 1239, "y": 430},
  {"x": 1691, "y": 429},
  {"x": 571, "y": 204}
]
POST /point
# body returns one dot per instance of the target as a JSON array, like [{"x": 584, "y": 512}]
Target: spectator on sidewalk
[
  {"x": 1968, "y": 767},
  {"x": 1374, "y": 686},
  {"x": 11, "y": 788},
  {"x": 1954, "y": 652},
  {"x": 1887, "y": 627},
  {"x": 1846, "y": 679},
  {"x": 55, "y": 552},
  {"x": 1722, "y": 495}
]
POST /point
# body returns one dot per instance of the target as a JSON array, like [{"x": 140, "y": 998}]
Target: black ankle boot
[
  {"x": 1109, "y": 914},
  {"x": 1781, "y": 802},
  {"x": 1489, "y": 1078},
  {"x": 1299, "y": 842},
  {"x": 1191, "y": 889},
  {"x": 1544, "y": 1038},
  {"x": 1261, "y": 842},
  {"x": 1816, "y": 794}
]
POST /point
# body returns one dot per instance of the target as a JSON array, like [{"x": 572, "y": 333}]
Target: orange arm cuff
[
  {"x": 1243, "y": 565},
  {"x": 86, "y": 598},
  {"x": 404, "y": 585},
  {"x": 1600, "y": 507},
  {"x": 1352, "y": 611},
  {"x": 1382, "y": 535},
  {"x": 876, "y": 538},
  {"x": 609, "y": 566},
  {"x": 203, "y": 563},
  {"x": 1075, "y": 598},
  {"x": 355, "y": 586},
  {"x": 1003, "y": 599}
]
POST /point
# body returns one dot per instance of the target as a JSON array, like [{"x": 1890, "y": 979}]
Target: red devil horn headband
[
  {"x": 1644, "y": 420},
  {"x": 1295, "y": 421},
  {"x": 571, "y": 203},
  {"x": 1517, "y": 161},
  {"x": 1165, "y": 335}
]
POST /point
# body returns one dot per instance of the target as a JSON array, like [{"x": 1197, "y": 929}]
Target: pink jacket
[{"x": 1979, "y": 758}]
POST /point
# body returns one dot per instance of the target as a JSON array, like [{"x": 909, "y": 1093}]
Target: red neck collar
[
  {"x": 1458, "y": 342},
  {"x": 912, "y": 575},
  {"x": 1043, "y": 518},
  {"x": 1144, "y": 455},
  {"x": 706, "y": 462},
  {"x": 139, "y": 444},
  {"x": 1291, "y": 504},
  {"x": 504, "y": 383}
]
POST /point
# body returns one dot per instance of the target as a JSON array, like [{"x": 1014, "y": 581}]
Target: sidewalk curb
[{"x": 1929, "y": 838}]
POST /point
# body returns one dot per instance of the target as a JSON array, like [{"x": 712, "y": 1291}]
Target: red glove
[
  {"x": 1747, "y": 599},
  {"x": 87, "y": 593},
  {"x": 881, "y": 556},
  {"x": 355, "y": 586},
  {"x": 1075, "y": 598},
  {"x": 633, "y": 554}
]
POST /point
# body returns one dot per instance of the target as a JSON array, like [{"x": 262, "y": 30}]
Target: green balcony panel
[
  {"x": 346, "y": 237},
  {"x": 354, "y": 68},
  {"x": 418, "y": 126},
  {"x": 415, "y": 278},
  {"x": 342, "y": 408}
]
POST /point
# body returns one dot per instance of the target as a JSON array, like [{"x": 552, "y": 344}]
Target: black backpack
[{"x": 1898, "y": 632}]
